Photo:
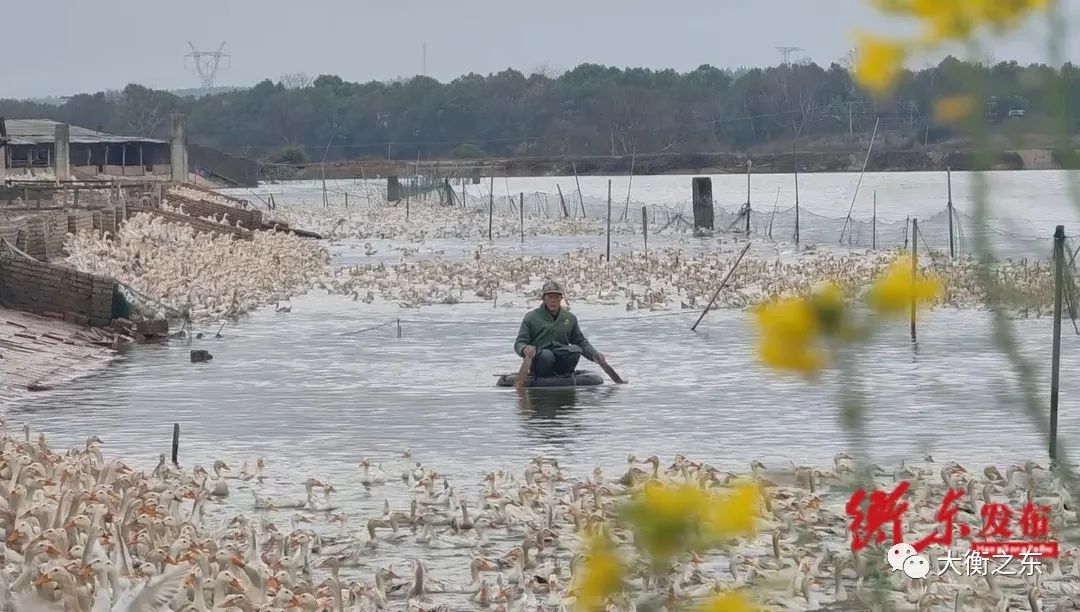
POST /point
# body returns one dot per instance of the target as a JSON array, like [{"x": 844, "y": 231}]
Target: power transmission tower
[
  {"x": 785, "y": 54},
  {"x": 207, "y": 63}
]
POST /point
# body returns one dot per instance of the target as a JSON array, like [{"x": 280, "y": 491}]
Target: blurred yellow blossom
[
  {"x": 880, "y": 59},
  {"x": 669, "y": 519},
  {"x": 732, "y": 601},
  {"x": 788, "y": 328},
  {"x": 600, "y": 576},
  {"x": 878, "y": 62},
  {"x": 734, "y": 514},
  {"x": 952, "y": 109},
  {"x": 893, "y": 292}
]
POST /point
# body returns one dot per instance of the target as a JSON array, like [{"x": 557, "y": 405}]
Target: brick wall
[
  {"x": 200, "y": 225},
  {"x": 45, "y": 235},
  {"x": 248, "y": 218},
  {"x": 49, "y": 288},
  {"x": 15, "y": 232}
]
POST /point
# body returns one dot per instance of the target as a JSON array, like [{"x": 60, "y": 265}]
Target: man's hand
[
  {"x": 529, "y": 351},
  {"x": 599, "y": 358}
]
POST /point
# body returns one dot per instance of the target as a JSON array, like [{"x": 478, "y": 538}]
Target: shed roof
[{"x": 43, "y": 131}]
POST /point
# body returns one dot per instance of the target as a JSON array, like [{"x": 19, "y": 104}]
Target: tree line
[{"x": 591, "y": 110}]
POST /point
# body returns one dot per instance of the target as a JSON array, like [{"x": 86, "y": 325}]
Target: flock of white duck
[
  {"x": 668, "y": 278},
  {"x": 82, "y": 532},
  {"x": 205, "y": 275},
  {"x": 215, "y": 276}
]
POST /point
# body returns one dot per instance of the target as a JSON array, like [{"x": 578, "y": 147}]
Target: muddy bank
[{"x": 687, "y": 163}]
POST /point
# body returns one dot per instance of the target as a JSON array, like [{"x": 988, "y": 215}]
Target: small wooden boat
[{"x": 580, "y": 378}]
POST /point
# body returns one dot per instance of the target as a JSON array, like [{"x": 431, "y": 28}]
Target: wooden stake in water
[
  {"x": 175, "y": 443},
  {"x": 521, "y": 210},
  {"x": 608, "y": 220},
  {"x": 748, "y": 164},
  {"x": 491, "y": 203},
  {"x": 952, "y": 249},
  {"x": 645, "y": 229},
  {"x": 1055, "y": 360},
  {"x": 914, "y": 270}
]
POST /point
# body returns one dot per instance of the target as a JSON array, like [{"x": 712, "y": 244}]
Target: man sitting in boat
[{"x": 551, "y": 336}]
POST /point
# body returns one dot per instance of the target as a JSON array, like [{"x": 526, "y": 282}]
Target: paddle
[
  {"x": 612, "y": 373},
  {"x": 523, "y": 371}
]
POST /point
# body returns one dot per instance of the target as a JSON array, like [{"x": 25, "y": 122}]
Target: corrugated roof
[{"x": 43, "y": 131}]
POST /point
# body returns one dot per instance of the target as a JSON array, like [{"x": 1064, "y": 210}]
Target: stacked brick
[
  {"x": 51, "y": 289},
  {"x": 80, "y": 220},
  {"x": 105, "y": 220}
]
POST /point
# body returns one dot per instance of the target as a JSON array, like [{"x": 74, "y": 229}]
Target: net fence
[{"x": 948, "y": 231}]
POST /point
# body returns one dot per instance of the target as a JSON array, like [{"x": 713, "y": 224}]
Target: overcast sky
[{"x": 77, "y": 46}]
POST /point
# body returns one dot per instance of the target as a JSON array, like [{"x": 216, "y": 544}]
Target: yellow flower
[
  {"x": 731, "y": 601},
  {"x": 878, "y": 63},
  {"x": 951, "y": 109},
  {"x": 600, "y": 576},
  {"x": 1005, "y": 14},
  {"x": 893, "y": 292},
  {"x": 788, "y": 328},
  {"x": 734, "y": 514},
  {"x": 665, "y": 518}
]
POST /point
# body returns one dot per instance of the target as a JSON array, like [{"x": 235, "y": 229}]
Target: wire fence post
[
  {"x": 907, "y": 223},
  {"x": 914, "y": 271},
  {"x": 521, "y": 209},
  {"x": 952, "y": 249},
  {"x": 608, "y": 220},
  {"x": 1055, "y": 363}
]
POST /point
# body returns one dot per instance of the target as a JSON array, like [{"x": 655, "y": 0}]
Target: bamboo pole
[
  {"x": 721, "y": 287},
  {"x": 873, "y": 225},
  {"x": 491, "y": 203},
  {"x": 914, "y": 271},
  {"x": 1055, "y": 359},
  {"x": 581, "y": 196},
  {"x": 795, "y": 153},
  {"x": 952, "y": 248},
  {"x": 859, "y": 183},
  {"x": 521, "y": 211},
  {"x": 629, "y": 186},
  {"x": 608, "y": 220}
]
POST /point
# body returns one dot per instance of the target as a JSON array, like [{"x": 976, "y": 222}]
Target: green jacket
[{"x": 560, "y": 333}]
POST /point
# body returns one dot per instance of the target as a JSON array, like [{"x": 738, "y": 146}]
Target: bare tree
[{"x": 296, "y": 80}]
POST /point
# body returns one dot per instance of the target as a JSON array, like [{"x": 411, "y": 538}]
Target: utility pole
[{"x": 207, "y": 63}]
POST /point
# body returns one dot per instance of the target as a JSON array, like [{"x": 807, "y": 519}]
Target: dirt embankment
[{"x": 685, "y": 163}]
